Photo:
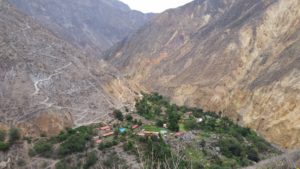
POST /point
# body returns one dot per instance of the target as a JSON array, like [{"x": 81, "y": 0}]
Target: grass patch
[
  {"x": 181, "y": 127},
  {"x": 151, "y": 128}
]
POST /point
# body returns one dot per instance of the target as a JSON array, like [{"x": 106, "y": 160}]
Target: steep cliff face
[
  {"x": 46, "y": 84},
  {"x": 239, "y": 57},
  {"x": 91, "y": 25}
]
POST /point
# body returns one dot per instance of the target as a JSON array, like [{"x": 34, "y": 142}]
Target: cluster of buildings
[{"x": 107, "y": 130}]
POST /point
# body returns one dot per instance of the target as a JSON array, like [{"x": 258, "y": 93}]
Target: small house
[
  {"x": 108, "y": 134},
  {"x": 179, "y": 134},
  {"x": 122, "y": 130},
  {"x": 95, "y": 137},
  {"x": 165, "y": 125},
  {"x": 188, "y": 115},
  {"x": 142, "y": 134},
  {"x": 163, "y": 132},
  {"x": 98, "y": 141},
  {"x": 150, "y": 134},
  {"x": 135, "y": 126},
  {"x": 105, "y": 128}
]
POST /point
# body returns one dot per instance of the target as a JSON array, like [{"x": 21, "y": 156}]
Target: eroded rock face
[
  {"x": 46, "y": 84},
  {"x": 241, "y": 58},
  {"x": 91, "y": 25}
]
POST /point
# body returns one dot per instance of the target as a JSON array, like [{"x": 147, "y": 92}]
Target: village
[
  {"x": 138, "y": 126},
  {"x": 157, "y": 130}
]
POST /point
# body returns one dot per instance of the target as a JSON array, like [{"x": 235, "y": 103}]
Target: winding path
[{"x": 57, "y": 72}]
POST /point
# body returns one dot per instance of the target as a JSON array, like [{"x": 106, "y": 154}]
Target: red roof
[
  {"x": 108, "y": 134},
  {"x": 98, "y": 141},
  {"x": 105, "y": 128},
  {"x": 189, "y": 113},
  {"x": 135, "y": 126},
  {"x": 141, "y": 134},
  {"x": 179, "y": 134}
]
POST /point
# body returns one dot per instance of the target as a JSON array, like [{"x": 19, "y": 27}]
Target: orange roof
[
  {"x": 105, "y": 128},
  {"x": 108, "y": 134},
  {"x": 135, "y": 126},
  {"x": 141, "y": 134},
  {"x": 98, "y": 141}
]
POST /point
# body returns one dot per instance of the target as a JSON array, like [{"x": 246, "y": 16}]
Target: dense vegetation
[
  {"x": 236, "y": 146},
  {"x": 208, "y": 141},
  {"x": 13, "y": 136}
]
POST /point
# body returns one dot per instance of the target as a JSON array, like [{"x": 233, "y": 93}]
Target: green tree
[
  {"x": 4, "y": 146},
  {"x": 119, "y": 115},
  {"x": 14, "y": 135},
  {"x": 159, "y": 123},
  {"x": 43, "y": 148},
  {"x": 231, "y": 147},
  {"x": 128, "y": 117},
  {"x": 190, "y": 124},
  {"x": 173, "y": 118}
]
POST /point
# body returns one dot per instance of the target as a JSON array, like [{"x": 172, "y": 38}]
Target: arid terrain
[
  {"x": 91, "y": 25},
  {"x": 239, "y": 57},
  {"x": 66, "y": 64},
  {"x": 47, "y": 84}
]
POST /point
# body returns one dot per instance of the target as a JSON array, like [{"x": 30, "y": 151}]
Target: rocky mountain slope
[
  {"x": 91, "y": 25},
  {"x": 46, "y": 84},
  {"x": 239, "y": 57}
]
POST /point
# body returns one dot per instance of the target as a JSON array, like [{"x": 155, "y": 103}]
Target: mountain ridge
[
  {"x": 47, "y": 84},
  {"x": 93, "y": 25},
  {"x": 237, "y": 57}
]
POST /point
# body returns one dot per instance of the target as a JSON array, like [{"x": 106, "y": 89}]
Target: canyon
[{"x": 236, "y": 57}]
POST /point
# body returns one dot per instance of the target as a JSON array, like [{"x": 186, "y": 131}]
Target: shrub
[
  {"x": 4, "y": 146},
  {"x": 14, "y": 135},
  {"x": 231, "y": 147},
  {"x": 62, "y": 165},
  {"x": 190, "y": 124},
  {"x": 252, "y": 154},
  {"x": 159, "y": 123},
  {"x": 21, "y": 162},
  {"x": 128, "y": 117},
  {"x": 75, "y": 143},
  {"x": 31, "y": 152},
  {"x": 107, "y": 144},
  {"x": 118, "y": 115},
  {"x": 43, "y": 148},
  {"x": 128, "y": 146},
  {"x": 90, "y": 160},
  {"x": 2, "y": 135}
]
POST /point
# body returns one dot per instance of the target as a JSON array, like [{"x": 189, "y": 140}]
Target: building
[
  {"x": 106, "y": 128},
  {"x": 108, "y": 134},
  {"x": 179, "y": 134},
  {"x": 151, "y": 133},
  {"x": 148, "y": 134},
  {"x": 98, "y": 141},
  {"x": 142, "y": 134},
  {"x": 165, "y": 125},
  {"x": 95, "y": 137},
  {"x": 135, "y": 126},
  {"x": 122, "y": 130},
  {"x": 199, "y": 120}
]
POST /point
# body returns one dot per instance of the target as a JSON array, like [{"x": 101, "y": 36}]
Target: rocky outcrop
[
  {"x": 241, "y": 58},
  {"x": 46, "y": 84},
  {"x": 91, "y": 25}
]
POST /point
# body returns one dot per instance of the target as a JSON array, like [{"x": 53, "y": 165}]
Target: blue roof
[{"x": 122, "y": 130}]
